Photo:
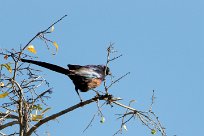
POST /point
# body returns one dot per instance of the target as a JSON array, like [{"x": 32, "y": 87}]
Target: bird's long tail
[{"x": 48, "y": 66}]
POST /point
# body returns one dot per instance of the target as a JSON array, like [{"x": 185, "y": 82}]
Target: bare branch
[
  {"x": 90, "y": 122},
  {"x": 99, "y": 112},
  {"x": 8, "y": 124},
  {"x": 41, "y": 122},
  {"x": 117, "y": 80},
  {"x": 44, "y": 31},
  {"x": 24, "y": 96},
  {"x": 126, "y": 107},
  {"x": 9, "y": 116}
]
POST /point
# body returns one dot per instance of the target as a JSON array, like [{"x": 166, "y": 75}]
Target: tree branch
[
  {"x": 81, "y": 104},
  {"x": 11, "y": 116},
  {"x": 43, "y": 31},
  {"x": 125, "y": 106},
  {"x": 8, "y": 124}
]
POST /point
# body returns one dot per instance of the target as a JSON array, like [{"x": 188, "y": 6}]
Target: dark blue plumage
[{"x": 84, "y": 77}]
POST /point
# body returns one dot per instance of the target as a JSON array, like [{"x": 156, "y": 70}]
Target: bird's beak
[{"x": 109, "y": 73}]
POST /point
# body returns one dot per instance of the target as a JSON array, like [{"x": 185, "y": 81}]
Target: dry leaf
[
  {"x": 7, "y": 66},
  {"x": 56, "y": 45},
  {"x": 31, "y": 48},
  {"x": 3, "y": 95},
  {"x": 36, "y": 117},
  {"x": 6, "y": 57},
  {"x": 43, "y": 112}
]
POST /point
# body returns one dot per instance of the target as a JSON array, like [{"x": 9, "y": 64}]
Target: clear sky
[{"x": 162, "y": 42}]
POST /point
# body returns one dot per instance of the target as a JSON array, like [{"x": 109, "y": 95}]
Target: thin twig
[{"x": 117, "y": 80}]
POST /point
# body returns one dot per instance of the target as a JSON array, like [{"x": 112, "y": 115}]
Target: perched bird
[{"x": 84, "y": 78}]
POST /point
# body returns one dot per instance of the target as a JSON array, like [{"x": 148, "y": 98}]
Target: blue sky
[{"x": 162, "y": 45}]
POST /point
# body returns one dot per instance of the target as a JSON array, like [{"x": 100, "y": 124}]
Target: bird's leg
[
  {"x": 97, "y": 93},
  {"x": 77, "y": 90}
]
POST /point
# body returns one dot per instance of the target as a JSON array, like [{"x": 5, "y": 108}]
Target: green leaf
[
  {"x": 102, "y": 119},
  {"x": 52, "y": 29},
  {"x": 153, "y": 131},
  {"x": 125, "y": 127}
]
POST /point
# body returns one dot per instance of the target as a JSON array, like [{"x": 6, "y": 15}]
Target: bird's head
[{"x": 107, "y": 70}]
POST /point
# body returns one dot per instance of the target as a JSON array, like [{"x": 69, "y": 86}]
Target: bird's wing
[
  {"x": 74, "y": 67},
  {"x": 87, "y": 73},
  {"x": 99, "y": 69}
]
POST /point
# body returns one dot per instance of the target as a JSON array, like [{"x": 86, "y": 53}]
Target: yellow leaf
[
  {"x": 1, "y": 84},
  {"x": 36, "y": 117},
  {"x": 52, "y": 29},
  {"x": 43, "y": 112},
  {"x": 56, "y": 45},
  {"x": 3, "y": 95},
  {"x": 31, "y": 48},
  {"x": 7, "y": 66}
]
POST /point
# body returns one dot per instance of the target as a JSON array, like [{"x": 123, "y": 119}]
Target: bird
[{"x": 84, "y": 78}]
